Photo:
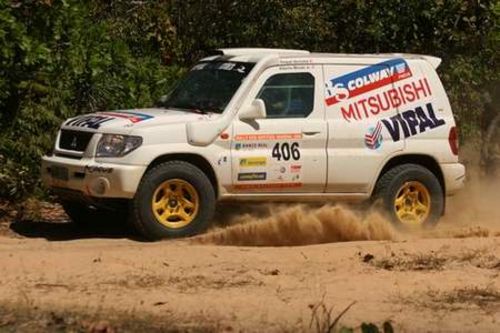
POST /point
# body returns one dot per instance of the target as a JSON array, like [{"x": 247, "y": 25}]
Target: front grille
[{"x": 74, "y": 140}]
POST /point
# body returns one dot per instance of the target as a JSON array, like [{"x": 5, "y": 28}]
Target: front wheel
[
  {"x": 411, "y": 195},
  {"x": 174, "y": 199}
]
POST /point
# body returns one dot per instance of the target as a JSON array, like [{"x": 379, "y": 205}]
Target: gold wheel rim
[
  {"x": 413, "y": 203},
  {"x": 175, "y": 203}
]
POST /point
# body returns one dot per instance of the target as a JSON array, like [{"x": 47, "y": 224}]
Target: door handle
[{"x": 311, "y": 133}]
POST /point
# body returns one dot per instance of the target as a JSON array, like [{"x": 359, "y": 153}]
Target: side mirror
[{"x": 257, "y": 110}]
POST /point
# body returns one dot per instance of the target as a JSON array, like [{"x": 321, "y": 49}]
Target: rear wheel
[
  {"x": 174, "y": 199},
  {"x": 411, "y": 195}
]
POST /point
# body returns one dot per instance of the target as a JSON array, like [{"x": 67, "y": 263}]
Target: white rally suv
[{"x": 266, "y": 125}]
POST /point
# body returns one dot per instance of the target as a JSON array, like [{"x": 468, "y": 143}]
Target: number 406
[{"x": 286, "y": 151}]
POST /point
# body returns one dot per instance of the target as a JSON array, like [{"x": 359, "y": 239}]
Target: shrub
[{"x": 60, "y": 58}]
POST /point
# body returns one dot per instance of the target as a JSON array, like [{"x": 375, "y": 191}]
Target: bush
[
  {"x": 57, "y": 60},
  {"x": 63, "y": 58}
]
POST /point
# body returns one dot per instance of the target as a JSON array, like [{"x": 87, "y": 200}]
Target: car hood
[{"x": 121, "y": 121}]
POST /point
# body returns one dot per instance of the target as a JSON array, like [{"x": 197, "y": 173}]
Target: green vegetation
[
  {"x": 59, "y": 58},
  {"x": 20, "y": 317}
]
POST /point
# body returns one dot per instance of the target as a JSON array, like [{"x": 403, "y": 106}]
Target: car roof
[{"x": 256, "y": 54}]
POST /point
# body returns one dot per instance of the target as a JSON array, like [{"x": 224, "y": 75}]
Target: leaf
[{"x": 369, "y": 328}]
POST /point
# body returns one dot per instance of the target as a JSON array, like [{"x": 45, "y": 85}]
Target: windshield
[{"x": 208, "y": 87}]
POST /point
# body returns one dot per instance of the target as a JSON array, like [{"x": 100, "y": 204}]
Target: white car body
[{"x": 368, "y": 112}]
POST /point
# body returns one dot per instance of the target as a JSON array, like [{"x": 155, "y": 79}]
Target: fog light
[{"x": 99, "y": 186}]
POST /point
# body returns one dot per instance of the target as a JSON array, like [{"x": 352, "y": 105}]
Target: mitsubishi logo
[{"x": 74, "y": 143}]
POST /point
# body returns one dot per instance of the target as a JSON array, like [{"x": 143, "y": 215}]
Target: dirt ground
[{"x": 271, "y": 268}]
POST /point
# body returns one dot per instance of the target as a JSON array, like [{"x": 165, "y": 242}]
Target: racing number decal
[{"x": 286, "y": 151}]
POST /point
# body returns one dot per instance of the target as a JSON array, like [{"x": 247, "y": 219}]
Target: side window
[{"x": 289, "y": 95}]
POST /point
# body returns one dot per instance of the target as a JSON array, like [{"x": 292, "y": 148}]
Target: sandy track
[
  {"x": 263, "y": 288},
  {"x": 444, "y": 280}
]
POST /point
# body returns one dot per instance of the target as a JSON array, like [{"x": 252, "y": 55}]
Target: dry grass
[
  {"x": 485, "y": 298},
  {"x": 476, "y": 231},
  {"x": 184, "y": 283},
  {"x": 417, "y": 262},
  {"x": 432, "y": 261},
  {"x": 480, "y": 296},
  {"x": 32, "y": 319},
  {"x": 137, "y": 281},
  {"x": 323, "y": 319},
  {"x": 14, "y": 318},
  {"x": 193, "y": 283}
]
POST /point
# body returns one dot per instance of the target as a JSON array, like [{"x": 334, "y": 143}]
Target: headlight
[{"x": 115, "y": 145}]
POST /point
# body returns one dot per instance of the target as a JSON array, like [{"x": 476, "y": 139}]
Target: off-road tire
[
  {"x": 143, "y": 218},
  {"x": 387, "y": 186}
]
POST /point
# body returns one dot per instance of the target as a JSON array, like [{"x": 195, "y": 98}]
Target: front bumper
[
  {"x": 101, "y": 180},
  {"x": 454, "y": 177}
]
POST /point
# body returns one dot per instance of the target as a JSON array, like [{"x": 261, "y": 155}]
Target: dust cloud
[
  {"x": 473, "y": 212},
  {"x": 302, "y": 225}
]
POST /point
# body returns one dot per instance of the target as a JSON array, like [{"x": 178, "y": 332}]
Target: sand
[{"x": 273, "y": 268}]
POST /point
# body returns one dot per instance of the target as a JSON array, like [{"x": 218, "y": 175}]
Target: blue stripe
[
  {"x": 142, "y": 115},
  {"x": 345, "y": 79}
]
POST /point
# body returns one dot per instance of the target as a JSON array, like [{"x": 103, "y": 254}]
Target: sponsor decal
[
  {"x": 95, "y": 121},
  {"x": 249, "y": 162},
  {"x": 249, "y": 176},
  {"x": 90, "y": 121},
  {"x": 235, "y": 66},
  {"x": 133, "y": 117},
  {"x": 267, "y": 186},
  {"x": 286, "y": 151},
  {"x": 366, "y": 79},
  {"x": 250, "y": 146},
  {"x": 387, "y": 100},
  {"x": 227, "y": 66},
  {"x": 97, "y": 169},
  {"x": 401, "y": 126},
  {"x": 285, "y": 173},
  {"x": 222, "y": 160},
  {"x": 412, "y": 122},
  {"x": 373, "y": 139},
  {"x": 231, "y": 66},
  {"x": 263, "y": 137}
]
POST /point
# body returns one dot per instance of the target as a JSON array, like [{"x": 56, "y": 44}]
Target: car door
[
  {"x": 286, "y": 151},
  {"x": 360, "y": 98}
]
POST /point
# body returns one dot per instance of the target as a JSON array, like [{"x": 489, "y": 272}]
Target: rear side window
[{"x": 288, "y": 95}]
